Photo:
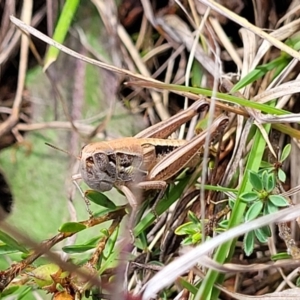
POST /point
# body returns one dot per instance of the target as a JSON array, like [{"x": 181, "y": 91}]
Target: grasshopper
[{"x": 146, "y": 161}]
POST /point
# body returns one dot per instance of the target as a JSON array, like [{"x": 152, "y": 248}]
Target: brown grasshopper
[{"x": 146, "y": 161}]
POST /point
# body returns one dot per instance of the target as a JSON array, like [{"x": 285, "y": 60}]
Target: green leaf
[
  {"x": 185, "y": 284},
  {"x": 261, "y": 235},
  {"x": 249, "y": 78},
  {"x": 223, "y": 224},
  {"x": 196, "y": 237},
  {"x": 254, "y": 211},
  {"x": 292, "y": 42},
  {"x": 269, "y": 181},
  {"x": 102, "y": 212},
  {"x": 10, "y": 241},
  {"x": 193, "y": 218},
  {"x": 231, "y": 203},
  {"x": 90, "y": 244},
  {"x": 99, "y": 199},
  {"x": 8, "y": 291},
  {"x": 24, "y": 293},
  {"x": 110, "y": 244},
  {"x": 248, "y": 243},
  {"x": 142, "y": 241},
  {"x": 265, "y": 165},
  {"x": 281, "y": 65},
  {"x": 42, "y": 275},
  {"x": 281, "y": 255},
  {"x": 93, "y": 241},
  {"x": 104, "y": 232},
  {"x": 187, "y": 228},
  {"x": 6, "y": 249},
  {"x": 220, "y": 229},
  {"x": 77, "y": 248},
  {"x": 285, "y": 152},
  {"x": 298, "y": 281},
  {"x": 197, "y": 73},
  {"x": 71, "y": 227},
  {"x": 278, "y": 200},
  {"x": 258, "y": 72},
  {"x": 266, "y": 230},
  {"x": 264, "y": 178},
  {"x": 270, "y": 208},
  {"x": 187, "y": 241},
  {"x": 281, "y": 175},
  {"x": 249, "y": 196},
  {"x": 256, "y": 181}
]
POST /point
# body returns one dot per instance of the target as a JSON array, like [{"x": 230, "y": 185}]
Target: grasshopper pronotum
[{"x": 146, "y": 161}]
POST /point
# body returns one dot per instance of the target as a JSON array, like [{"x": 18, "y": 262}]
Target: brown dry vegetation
[{"x": 155, "y": 58}]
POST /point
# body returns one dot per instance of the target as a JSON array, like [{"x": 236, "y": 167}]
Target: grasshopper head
[{"x": 96, "y": 170}]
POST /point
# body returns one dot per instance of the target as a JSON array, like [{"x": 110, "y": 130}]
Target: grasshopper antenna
[
  {"x": 75, "y": 177},
  {"x": 62, "y": 150}
]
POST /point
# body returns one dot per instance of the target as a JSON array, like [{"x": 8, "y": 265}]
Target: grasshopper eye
[
  {"x": 102, "y": 161},
  {"x": 90, "y": 160}
]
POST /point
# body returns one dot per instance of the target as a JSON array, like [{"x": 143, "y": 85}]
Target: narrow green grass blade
[
  {"x": 61, "y": 30},
  {"x": 266, "y": 108},
  {"x": 225, "y": 251},
  {"x": 278, "y": 63},
  {"x": 197, "y": 74},
  {"x": 10, "y": 241}
]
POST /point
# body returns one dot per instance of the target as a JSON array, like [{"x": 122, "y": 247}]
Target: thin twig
[{"x": 13, "y": 119}]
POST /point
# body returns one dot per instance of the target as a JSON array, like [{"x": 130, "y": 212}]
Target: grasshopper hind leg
[
  {"x": 158, "y": 185},
  {"x": 135, "y": 198},
  {"x": 135, "y": 204},
  {"x": 157, "y": 198}
]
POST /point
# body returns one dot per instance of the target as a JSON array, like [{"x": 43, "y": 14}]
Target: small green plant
[
  {"x": 261, "y": 201},
  {"x": 277, "y": 168},
  {"x": 194, "y": 231}
]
